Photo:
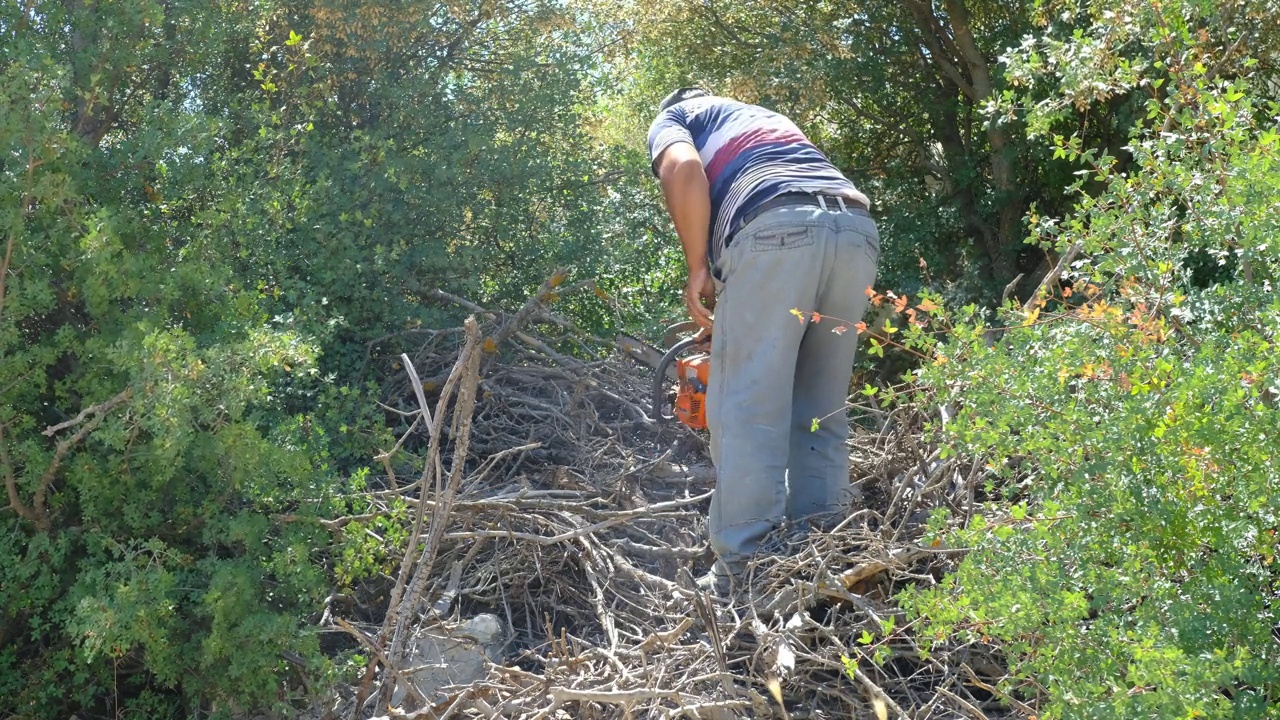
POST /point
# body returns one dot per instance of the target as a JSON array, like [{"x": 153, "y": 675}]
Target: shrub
[{"x": 1130, "y": 571}]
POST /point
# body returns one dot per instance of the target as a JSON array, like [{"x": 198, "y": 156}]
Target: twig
[
  {"x": 711, "y": 710},
  {"x": 1008, "y": 289},
  {"x": 575, "y": 533},
  {"x": 964, "y": 704},
  {"x": 441, "y": 606},
  {"x": 544, "y": 295},
  {"x": 368, "y": 644},
  {"x": 418, "y": 417},
  {"x": 1021, "y": 707},
  {"x": 602, "y": 610},
  {"x": 612, "y": 697},
  {"x": 1042, "y": 290},
  {"x": 879, "y": 694},
  {"x": 667, "y": 637},
  {"x": 466, "y": 304},
  {"x": 430, "y": 468},
  {"x": 702, "y": 607}
]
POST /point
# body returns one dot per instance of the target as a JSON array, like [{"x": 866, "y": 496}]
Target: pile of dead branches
[{"x": 549, "y": 498}]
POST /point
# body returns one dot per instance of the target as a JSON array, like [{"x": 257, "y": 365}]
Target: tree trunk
[{"x": 961, "y": 65}]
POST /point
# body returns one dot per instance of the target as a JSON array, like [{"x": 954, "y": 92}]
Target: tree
[
  {"x": 135, "y": 371},
  {"x": 897, "y": 93},
  {"x": 421, "y": 146}
]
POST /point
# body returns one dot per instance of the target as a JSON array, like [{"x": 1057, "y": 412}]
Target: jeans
[{"x": 771, "y": 374}]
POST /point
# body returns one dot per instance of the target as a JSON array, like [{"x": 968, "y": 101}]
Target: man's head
[{"x": 680, "y": 95}]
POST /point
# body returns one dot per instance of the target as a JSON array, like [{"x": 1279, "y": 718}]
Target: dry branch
[
  {"x": 368, "y": 644},
  {"x": 466, "y": 376},
  {"x": 544, "y": 295},
  {"x": 1042, "y": 291},
  {"x": 88, "y": 420}
]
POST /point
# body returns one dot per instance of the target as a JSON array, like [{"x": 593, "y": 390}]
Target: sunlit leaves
[{"x": 1123, "y": 566}]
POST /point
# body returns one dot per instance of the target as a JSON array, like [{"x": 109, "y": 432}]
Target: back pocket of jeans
[
  {"x": 777, "y": 239},
  {"x": 871, "y": 243}
]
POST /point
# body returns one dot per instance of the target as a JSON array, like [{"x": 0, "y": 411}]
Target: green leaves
[
  {"x": 1129, "y": 574},
  {"x": 126, "y": 327},
  {"x": 234, "y": 212}
]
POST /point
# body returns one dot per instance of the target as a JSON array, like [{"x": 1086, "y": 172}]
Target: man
[{"x": 758, "y": 208}]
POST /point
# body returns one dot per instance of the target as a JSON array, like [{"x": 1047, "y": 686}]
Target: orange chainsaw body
[
  {"x": 692, "y": 365},
  {"x": 691, "y": 390}
]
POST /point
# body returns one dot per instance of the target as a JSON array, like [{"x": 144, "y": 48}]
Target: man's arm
[{"x": 688, "y": 196}]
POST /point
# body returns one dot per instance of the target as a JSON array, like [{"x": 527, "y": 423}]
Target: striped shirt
[{"x": 750, "y": 155}]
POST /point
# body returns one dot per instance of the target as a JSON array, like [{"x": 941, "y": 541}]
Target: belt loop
[
  {"x": 822, "y": 203},
  {"x": 841, "y": 201}
]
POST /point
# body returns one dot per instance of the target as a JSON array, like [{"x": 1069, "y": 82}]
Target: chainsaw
[
  {"x": 691, "y": 370},
  {"x": 692, "y": 367}
]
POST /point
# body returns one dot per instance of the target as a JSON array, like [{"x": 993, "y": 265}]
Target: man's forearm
[{"x": 688, "y": 196}]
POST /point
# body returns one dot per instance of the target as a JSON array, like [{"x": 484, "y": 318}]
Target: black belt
[{"x": 790, "y": 199}]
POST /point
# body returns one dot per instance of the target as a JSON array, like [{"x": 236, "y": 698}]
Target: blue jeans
[{"x": 772, "y": 375}]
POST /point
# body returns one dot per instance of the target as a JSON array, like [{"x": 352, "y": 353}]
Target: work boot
[{"x": 718, "y": 582}]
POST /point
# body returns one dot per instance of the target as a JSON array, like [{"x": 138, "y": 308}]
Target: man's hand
[{"x": 700, "y": 297}]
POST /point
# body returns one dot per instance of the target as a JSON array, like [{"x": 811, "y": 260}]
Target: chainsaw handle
[
  {"x": 659, "y": 391},
  {"x": 677, "y": 331}
]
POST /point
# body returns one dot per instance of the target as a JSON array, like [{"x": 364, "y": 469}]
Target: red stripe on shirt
[{"x": 748, "y": 140}]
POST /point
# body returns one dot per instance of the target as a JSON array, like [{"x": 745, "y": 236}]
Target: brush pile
[{"x": 551, "y": 501}]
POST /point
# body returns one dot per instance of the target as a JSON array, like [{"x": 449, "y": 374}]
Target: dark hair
[{"x": 680, "y": 95}]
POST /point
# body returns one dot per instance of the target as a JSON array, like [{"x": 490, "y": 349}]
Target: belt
[{"x": 791, "y": 199}]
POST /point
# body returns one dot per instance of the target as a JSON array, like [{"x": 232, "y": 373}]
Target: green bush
[
  {"x": 215, "y": 220},
  {"x": 1129, "y": 568}
]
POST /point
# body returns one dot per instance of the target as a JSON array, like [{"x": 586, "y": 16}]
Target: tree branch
[
  {"x": 1003, "y": 164},
  {"x": 28, "y": 10},
  {"x": 99, "y": 413},
  {"x": 11, "y": 482},
  {"x": 1042, "y": 291},
  {"x": 930, "y": 36},
  {"x": 4, "y": 265},
  {"x": 12, "y": 240},
  {"x": 962, "y": 31},
  {"x": 725, "y": 28},
  {"x": 545, "y": 294},
  {"x": 467, "y": 373},
  {"x": 369, "y": 644},
  {"x": 1208, "y": 78}
]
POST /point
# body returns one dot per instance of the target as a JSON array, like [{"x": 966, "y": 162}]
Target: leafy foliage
[
  {"x": 216, "y": 218},
  {"x": 1131, "y": 573},
  {"x": 134, "y": 444}
]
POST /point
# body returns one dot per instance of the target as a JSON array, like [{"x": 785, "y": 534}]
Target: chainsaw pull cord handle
[{"x": 659, "y": 389}]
